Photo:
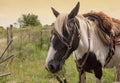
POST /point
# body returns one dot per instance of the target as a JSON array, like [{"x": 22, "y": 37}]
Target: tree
[{"x": 29, "y": 20}]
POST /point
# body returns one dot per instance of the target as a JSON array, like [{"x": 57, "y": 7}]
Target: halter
[
  {"x": 69, "y": 46},
  {"x": 80, "y": 66}
]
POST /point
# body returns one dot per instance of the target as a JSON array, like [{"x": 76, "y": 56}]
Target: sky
[{"x": 11, "y": 10}]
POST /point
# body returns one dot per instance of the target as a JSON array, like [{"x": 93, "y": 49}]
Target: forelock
[{"x": 60, "y": 21}]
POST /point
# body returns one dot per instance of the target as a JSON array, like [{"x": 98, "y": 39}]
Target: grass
[
  {"x": 28, "y": 64},
  {"x": 32, "y": 70}
]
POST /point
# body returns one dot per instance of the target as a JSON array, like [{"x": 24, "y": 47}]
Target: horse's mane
[
  {"x": 106, "y": 20},
  {"x": 62, "y": 21}
]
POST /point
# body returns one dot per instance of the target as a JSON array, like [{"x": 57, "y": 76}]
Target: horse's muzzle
[{"x": 53, "y": 66}]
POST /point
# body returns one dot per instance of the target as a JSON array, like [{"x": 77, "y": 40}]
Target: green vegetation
[
  {"x": 29, "y": 20},
  {"x": 30, "y": 47}
]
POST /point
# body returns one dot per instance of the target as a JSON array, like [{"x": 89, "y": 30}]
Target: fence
[{"x": 3, "y": 57}]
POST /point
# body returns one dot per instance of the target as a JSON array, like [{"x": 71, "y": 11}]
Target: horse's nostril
[{"x": 52, "y": 67}]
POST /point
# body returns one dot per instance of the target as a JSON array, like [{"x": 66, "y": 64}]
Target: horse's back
[{"x": 107, "y": 23}]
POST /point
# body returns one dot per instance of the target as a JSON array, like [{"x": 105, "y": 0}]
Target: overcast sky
[{"x": 11, "y": 10}]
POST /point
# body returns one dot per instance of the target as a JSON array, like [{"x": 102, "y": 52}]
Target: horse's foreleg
[
  {"x": 98, "y": 74},
  {"x": 82, "y": 77}
]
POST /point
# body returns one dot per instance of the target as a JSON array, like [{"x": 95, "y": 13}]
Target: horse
[{"x": 78, "y": 34}]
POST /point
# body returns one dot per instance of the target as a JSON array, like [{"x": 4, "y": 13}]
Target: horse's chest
[{"x": 92, "y": 63}]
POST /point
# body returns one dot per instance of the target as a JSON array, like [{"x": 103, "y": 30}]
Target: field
[{"x": 30, "y": 48}]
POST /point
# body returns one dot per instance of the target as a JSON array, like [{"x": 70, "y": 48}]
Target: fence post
[{"x": 9, "y": 37}]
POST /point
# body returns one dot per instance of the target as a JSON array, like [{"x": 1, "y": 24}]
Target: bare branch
[
  {"x": 6, "y": 74},
  {"x": 6, "y": 48},
  {"x": 6, "y": 59}
]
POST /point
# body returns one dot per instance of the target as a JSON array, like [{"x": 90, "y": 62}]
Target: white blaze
[{"x": 50, "y": 55}]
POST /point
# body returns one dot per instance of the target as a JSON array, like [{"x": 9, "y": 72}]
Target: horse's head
[{"x": 65, "y": 39}]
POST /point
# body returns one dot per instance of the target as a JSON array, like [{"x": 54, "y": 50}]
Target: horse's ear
[
  {"x": 74, "y": 12},
  {"x": 56, "y": 13}
]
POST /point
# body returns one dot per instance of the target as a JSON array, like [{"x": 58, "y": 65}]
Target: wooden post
[
  {"x": 9, "y": 37},
  {"x": 117, "y": 73}
]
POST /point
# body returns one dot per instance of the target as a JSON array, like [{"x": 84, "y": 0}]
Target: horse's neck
[
  {"x": 96, "y": 44},
  {"x": 83, "y": 44}
]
